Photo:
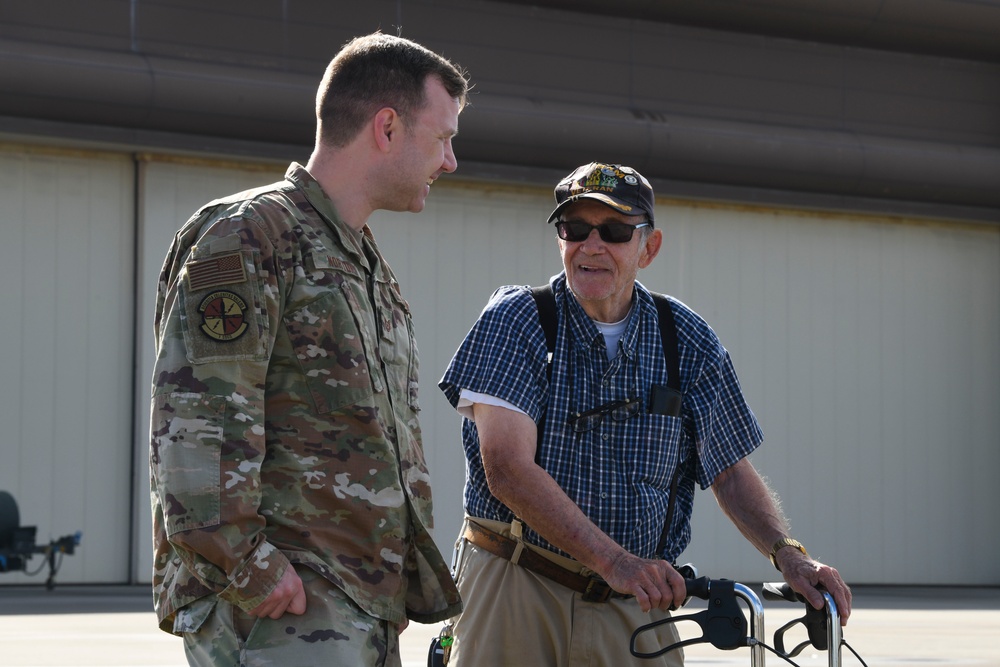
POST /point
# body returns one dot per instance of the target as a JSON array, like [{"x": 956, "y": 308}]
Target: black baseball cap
[{"x": 622, "y": 188}]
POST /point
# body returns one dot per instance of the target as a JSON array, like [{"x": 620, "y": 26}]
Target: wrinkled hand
[
  {"x": 810, "y": 578},
  {"x": 654, "y": 583},
  {"x": 288, "y": 596}
]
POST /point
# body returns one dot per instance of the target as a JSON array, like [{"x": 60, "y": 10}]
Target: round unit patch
[{"x": 223, "y": 316}]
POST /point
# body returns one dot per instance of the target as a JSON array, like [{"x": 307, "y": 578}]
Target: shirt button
[
  {"x": 604, "y": 495},
  {"x": 604, "y": 437}
]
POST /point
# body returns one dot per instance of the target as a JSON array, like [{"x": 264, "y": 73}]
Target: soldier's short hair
[{"x": 377, "y": 71}]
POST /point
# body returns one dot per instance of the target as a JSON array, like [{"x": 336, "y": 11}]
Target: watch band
[{"x": 781, "y": 544}]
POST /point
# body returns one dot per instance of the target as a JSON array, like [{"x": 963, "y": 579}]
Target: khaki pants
[
  {"x": 514, "y": 617},
  {"x": 333, "y": 631}
]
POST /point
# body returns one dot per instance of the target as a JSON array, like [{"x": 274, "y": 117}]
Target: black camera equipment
[{"x": 17, "y": 543}]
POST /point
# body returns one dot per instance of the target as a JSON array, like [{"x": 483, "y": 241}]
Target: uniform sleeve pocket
[
  {"x": 186, "y": 456},
  {"x": 224, "y": 314}
]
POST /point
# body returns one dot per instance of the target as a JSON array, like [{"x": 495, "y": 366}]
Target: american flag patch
[{"x": 215, "y": 271}]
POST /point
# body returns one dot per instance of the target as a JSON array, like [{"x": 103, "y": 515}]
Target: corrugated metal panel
[
  {"x": 866, "y": 346},
  {"x": 449, "y": 260},
  {"x": 66, "y": 359},
  {"x": 751, "y": 117},
  {"x": 869, "y": 350},
  {"x": 965, "y": 30}
]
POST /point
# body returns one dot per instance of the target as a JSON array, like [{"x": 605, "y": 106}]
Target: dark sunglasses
[
  {"x": 617, "y": 410},
  {"x": 611, "y": 232}
]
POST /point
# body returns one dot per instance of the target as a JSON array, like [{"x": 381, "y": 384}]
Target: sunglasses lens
[
  {"x": 616, "y": 232},
  {"x": 573, "y": 230},
  {"x": 611, "y": 232}
]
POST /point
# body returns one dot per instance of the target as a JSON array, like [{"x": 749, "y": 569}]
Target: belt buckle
[{"x": 597, "y": 591}]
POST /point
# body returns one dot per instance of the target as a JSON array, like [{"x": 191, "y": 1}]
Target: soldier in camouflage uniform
[{"x": 291, "y": 499}]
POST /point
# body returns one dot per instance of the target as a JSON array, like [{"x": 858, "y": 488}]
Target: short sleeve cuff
[{"x": 468, "y": 398}]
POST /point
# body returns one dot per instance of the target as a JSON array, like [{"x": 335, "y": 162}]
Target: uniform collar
[{"x": 360, "y": 245}]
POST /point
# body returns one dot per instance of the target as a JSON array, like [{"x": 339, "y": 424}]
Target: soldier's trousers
[{"x": 333, "y": 631}]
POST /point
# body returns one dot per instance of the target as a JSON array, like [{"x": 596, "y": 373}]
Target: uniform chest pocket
[
  {"x": 397, "y": 347},
  {"x": 330, "y": 346}
]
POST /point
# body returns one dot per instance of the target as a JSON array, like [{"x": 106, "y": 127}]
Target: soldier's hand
[
  {"x": 654, "y": 583},
  {"x": 288, "y": 596}
]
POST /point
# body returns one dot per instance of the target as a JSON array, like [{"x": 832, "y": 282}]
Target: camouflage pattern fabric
[
  {"x": 333, "y": 631},
  {"x": 284, "y": 413}
]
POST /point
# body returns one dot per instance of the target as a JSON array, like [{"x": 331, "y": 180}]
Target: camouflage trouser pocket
[
  {"x": 333, "y": 631},
  {"x": 243, "y": 625},
  {"x": 194, "y": 615},
  {"x": 186, "y": 456}
]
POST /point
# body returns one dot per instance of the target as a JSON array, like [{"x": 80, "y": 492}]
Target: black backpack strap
[
  {"x": 545, "y": 302},
  {"x": 668, "y": 336}
]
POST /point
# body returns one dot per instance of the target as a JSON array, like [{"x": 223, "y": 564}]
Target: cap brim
[{"x": 604, "y": 199}]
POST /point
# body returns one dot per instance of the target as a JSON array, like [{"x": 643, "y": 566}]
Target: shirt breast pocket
[{"x": 656, "y": 450}]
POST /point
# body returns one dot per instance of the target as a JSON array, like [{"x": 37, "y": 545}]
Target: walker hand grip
[
  {"x": 723, "y": 624},
  {"x": 698, "y": 588},
  {"x": 815, "y": 620},
  {"x": 780, "y": 590}
]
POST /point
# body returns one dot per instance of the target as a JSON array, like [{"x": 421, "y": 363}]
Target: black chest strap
[{"x": 545, "y": 302}]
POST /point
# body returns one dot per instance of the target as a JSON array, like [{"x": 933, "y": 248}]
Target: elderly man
[{"x": 584, "y": 448}]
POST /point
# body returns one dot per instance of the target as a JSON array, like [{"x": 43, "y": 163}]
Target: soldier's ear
[{"x": 385, "y": 125}]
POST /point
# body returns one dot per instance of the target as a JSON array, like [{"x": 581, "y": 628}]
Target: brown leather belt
[{"x": 592, "y": 588}]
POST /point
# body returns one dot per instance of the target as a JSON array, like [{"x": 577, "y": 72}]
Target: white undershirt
[
  {"x": 467, "y": 398},
  {"x": 612, "y": 334}
]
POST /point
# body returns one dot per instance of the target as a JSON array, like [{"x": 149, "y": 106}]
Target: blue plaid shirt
[{"x": 619, "y": 474}]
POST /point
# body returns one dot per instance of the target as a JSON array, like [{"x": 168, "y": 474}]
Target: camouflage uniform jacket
[{"x": 284, "y": 413}]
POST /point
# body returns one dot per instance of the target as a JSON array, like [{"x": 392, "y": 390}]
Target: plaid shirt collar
[{"x": 584, "y": 334}]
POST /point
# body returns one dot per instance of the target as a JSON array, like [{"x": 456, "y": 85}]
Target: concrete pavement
[{"x": 113, "y": 626}]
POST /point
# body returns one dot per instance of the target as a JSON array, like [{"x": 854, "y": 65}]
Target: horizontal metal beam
[
  {"x": 950, "y": 28},
  {"x": 136, "y": 92}
]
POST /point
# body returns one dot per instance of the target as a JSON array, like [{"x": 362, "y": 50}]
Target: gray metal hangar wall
[{"x": 830, "y": 181}]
